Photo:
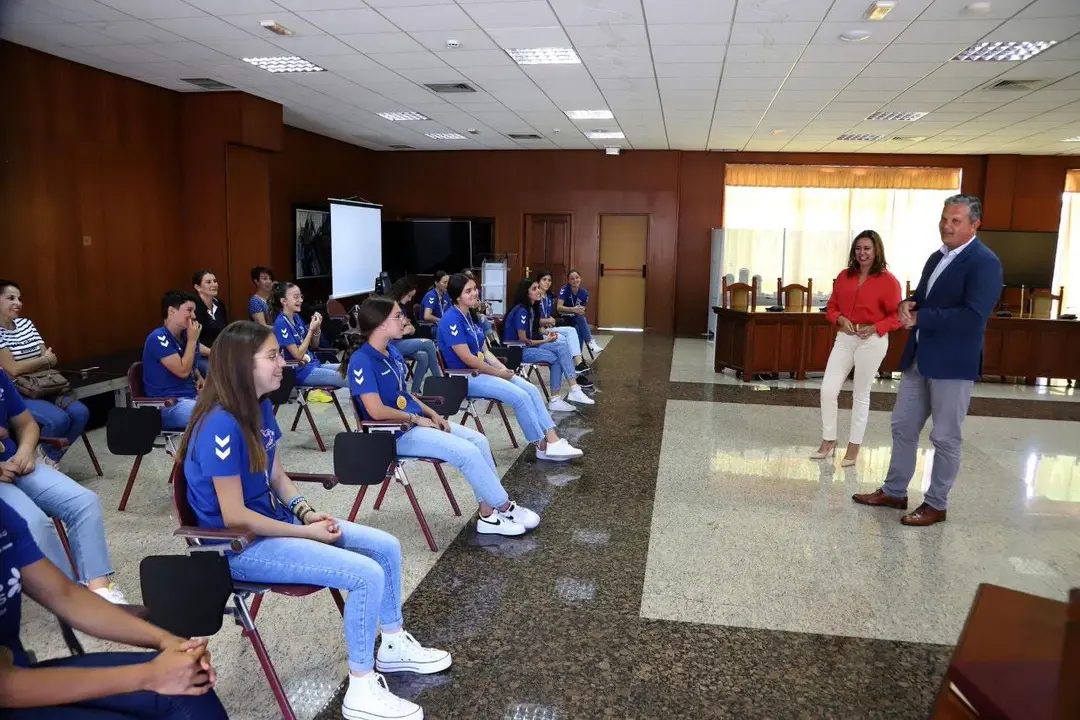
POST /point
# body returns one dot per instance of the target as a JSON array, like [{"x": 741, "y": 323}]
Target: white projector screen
[{"x": 355, "y": 247}]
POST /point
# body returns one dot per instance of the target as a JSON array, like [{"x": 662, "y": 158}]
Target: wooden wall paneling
[
  {"x": 248, "y": 219},
  {"x": 998, "y": 193},
  {"x": 1040, "y": 183},
  {"x": 701, "y": 196},
  {"x": 261, "y": 123}
]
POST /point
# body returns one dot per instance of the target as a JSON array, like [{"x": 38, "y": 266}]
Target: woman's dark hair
[
  {"x": 230, "y": 383},
  {"x": 277, "y": 294},
  {"x": 372, "y": 313},
  {"x": 175, "y": 299},
  {"x": 439, "y": 275},
  {"x": 521, "y": 297},
  {"x": 540, "y": 275},
  {"x": 197, "y": 277},
  {"x": 455, "y": 287},
  {"x": 257, "y": 272},
  {"x": 401, "y": 288},
  {"x": 879, "y": 263},
  {"x": 5, "y": 284}
]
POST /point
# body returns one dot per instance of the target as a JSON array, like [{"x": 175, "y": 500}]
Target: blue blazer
[{"x": 951, "y": 320}]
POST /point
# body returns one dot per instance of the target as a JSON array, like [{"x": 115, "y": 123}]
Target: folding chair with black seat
[
  {"x": 470, "y": 402},
  {"x": 398, "y": 471},
  {"x": 526, "y": 370},
  {"x": 139, "y": 400},
  {"x": 303, "y": 402},
  {"x": 132, "y": 431}
]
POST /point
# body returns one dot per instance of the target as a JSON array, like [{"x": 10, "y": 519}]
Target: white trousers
[{"x": 865, "y": 356}]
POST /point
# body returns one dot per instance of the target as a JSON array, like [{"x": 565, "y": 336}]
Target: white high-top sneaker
[
  {"x": 401, "y": 652},
  {"x": 578, "y": 395},
  {"x": 368, "y": 698}
]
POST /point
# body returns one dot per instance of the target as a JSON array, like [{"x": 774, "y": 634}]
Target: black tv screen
[
  {"x": 1027, "y": 258},
  {"x": 421, "y": 247}
]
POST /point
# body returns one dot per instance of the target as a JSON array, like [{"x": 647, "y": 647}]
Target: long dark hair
[
  {"x": 401, "y": 288},
  {"x": 230, "y": 383},
  {"x": 455, "y": 287},
  {"x": 879, "y": 263},
  {"x": 541, "y": 274},
  {"x": 439, "y": 275},
  {"x": 277, "y": 294},
  {"x": 371, "y": 314},
  {"x": 521, "y": 298}
]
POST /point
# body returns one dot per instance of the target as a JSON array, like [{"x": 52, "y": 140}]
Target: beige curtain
[
  {"x": 843, "y": 177},
  {"x": 1067, "y": 260}
]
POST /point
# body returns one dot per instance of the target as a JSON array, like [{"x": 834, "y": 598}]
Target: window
[{"x": 1067, "y": 261}]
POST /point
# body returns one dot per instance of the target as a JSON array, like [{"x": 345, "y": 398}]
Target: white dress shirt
[{"x": 950, "y": 255}]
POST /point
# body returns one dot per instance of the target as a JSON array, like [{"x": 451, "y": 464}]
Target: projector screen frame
[{"x": 355, "y": 202}]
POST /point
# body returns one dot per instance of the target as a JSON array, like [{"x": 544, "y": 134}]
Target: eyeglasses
[
  {"x": 272, "y": 356},
  {"x": 399, "y": 316}
]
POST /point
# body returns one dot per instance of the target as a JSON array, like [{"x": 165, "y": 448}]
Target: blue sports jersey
[
  {"x": 293, "y": 333},
  {"x": 158, "y": 381},
  {"x": 547, "y": 306},
  {"x": 519, "y": 318},
  {"x": 457, "y": 329},
  {"x": 439, "y": 303},
  {"x": 11, "y": 404},
  {"x": 17, "y": 551},
  {"x": 573, "y": 299},
  {"x": 372, "y": 372},
  {"x": 217, "y": 448}
]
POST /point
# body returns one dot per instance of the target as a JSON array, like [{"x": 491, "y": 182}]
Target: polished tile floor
[{"x": 693, "y": 564}]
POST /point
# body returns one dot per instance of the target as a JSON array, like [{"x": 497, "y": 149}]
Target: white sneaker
[
  {"x": 402, "y": 653},
  {"x": 560, "y": 450},
  {"x": 578, "y": 395},
  {"x": 112, "y": 594},
  {"x": 495, "y": 524},
  {"x": 520, "y": 515},
  {"x": 594, "y": 347},
  {"x": 557, "y": 404},
  {"x": 368, "y": 698}
]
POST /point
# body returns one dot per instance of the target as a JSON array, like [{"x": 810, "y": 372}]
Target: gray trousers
[{"x": 919, "y": 398}]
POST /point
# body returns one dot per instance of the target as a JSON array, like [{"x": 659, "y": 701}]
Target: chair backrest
[
  {"x": 284, "y": 391},
  {"x": 1041, "y": 303},
  {"x": 184, "y": 514},
  {"x": 364, "y": 458},
  {"x": 132, "y": 431},
  {"x": 739, "y": 296},
  {"x": 335, "y": 309},
  {"x": 794, "y": 296},
  {"x": 452, "y": 390},
  {"x": 135, "y": 383},
  {"x": 186, "y": 594},
  {"x": 509, "y": 355}
]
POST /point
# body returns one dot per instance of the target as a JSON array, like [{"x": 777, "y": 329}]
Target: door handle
[{"x": 643, "y": 270}]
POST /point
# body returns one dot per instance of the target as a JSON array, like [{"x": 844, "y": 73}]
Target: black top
[{"x": 212, "y": 324}]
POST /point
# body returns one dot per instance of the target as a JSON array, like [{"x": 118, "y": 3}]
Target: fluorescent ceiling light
[
  {"x": 896, "y": 115},
  {"x": 878, "y": 10},
  {"x": 1003, "y": 51},
  {"x": 446, "y": 136},
  {"x": 604, "y": 135},
  {"x": 402, "y": 115},
  {"x": 284, "y": 64},
  {"x": 589, "y": 114},
  {"x": 860, "y": 137},
  {"x": 544, "y": 56}
]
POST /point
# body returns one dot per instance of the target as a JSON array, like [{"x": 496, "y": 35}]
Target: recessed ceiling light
[
  {"x": 446, "y": 136},
  {"x": 908, "y": 138},
  {"x": 976, "y": 8},
  {"x": 604, "y": 135},
  {"x": 859, "y": 137},
  {"x": 284, "y": 64},
  {"x": 544, "y": 56},
  {"x": 612, "y": 150},
  {"x": 896, "y": 115},
  {"x": 589, "y": 114},
  {"x": 776, "y": 131},
  {"x": 854, "y": 35},
  {"x": 276, "y": 28},
  {"x": 398, "y": 116},
  {"x": 1012, "y": 51},
  {"x": 878, "y": 10}
]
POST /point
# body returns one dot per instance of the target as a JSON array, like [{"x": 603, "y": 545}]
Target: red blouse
[{"x": 873, "y": 303}]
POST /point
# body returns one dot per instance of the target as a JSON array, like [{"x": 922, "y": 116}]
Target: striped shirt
[{"x": 24, "y": 341}]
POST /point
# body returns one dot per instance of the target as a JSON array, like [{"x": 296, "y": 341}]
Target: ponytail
[
  {"x": 372, "y": 313},
  {"x": 277, "y": 294}
]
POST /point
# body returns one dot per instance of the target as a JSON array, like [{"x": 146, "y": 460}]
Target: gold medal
[
  {"x": 480, "y": 354},
  {"x": 401, "y": 402}
]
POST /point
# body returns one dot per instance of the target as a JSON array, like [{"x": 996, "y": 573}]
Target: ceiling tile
[
  {"x": 697, "y": 34},
  {"x": 683, "y": 83},
  {"x": 688, "y": 54},
  {"x": 530, "y": 13},
  {"x": 827, "y": 69},
  {"x": 842, "y": 53},
  {"x": 1051, "y": 9},
  {"x": 688, "y": 11},
  {"x": 69, "y": 34},
  {"x": 475, "y": 58},
  {"x": 388, "y": 42},
  {"x": 313, "y": 45},
  {"x": 611, "y": 35},
  {"x": 408, "y": 61},
  {"x": 763, "y": 53},
  {"x": 777, "y": 11},
  {"x": 468, "y": 39},
  {"x": 300, "y": 5},
  {"x": 755, "y": 70},
  {"x": 813, "y": 83},
  {"x": 687, "y": 99},
  {"x": 828, "y": 33},
  {"x": 954, "y": 10},
  {"x": 530, "y": 37},
  {"x": 912, "y": 71},
  {"x": 252, "y": 47},
  {"x": 234, "y": 7},
  {"x": 788, "y": 33},
  {"x": 901, "y": 52},
  {"x": 204, "y": 28},
  {"x": 854, "y": 10},
  {"x": 429, "y": 17},
  {"x": 157, "y": 10},
  {"x": 599, "y": 12},
  {"x": 500, "y": 72},
  {"x": 956, "y": 33},
  {"x": 619, "y": 68},
  {"x": 687, "y": 69},
  {"x": 132, "y": 31},
  {"x": 189, "y": 52},
  {"x": 346, "y": 22},
  {"x": 1036, "y": 29}
]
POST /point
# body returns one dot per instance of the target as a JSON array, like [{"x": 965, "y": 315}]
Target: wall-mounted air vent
[
  {"x": 450, "y": 87},
  {"x": 524, "y": 136},
  {"x": 208, "y": 83},
  {"x": 1016, "y": 85}
]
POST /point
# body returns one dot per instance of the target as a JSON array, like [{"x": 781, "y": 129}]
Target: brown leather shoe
[
  {"x": 923, "y": 515},
  {"x": 878, "y": 497}
]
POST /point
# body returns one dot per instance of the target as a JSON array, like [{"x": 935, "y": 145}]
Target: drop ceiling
[{"x": 753, "y": 75}]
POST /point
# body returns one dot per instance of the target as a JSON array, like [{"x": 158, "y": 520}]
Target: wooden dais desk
[{"x": 754, "y": 343}]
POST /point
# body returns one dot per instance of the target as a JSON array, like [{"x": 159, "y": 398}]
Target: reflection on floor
[{"x": 693, "y": 564}]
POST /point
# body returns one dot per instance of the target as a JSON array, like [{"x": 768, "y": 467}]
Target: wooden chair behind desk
[
  {"x": 795, "y": 297},
  {"x": 1040, "y": 303},
  {"x": 1018, "y": 658},
  {"x": 739, "y": 296}
]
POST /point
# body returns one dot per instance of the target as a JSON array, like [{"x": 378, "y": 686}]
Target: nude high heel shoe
[{"x": 831, "y": 452}]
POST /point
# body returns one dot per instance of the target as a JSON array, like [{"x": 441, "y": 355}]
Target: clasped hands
[
  {"x": 907, "y": 314},
  {"x": 848, "y": 328}
]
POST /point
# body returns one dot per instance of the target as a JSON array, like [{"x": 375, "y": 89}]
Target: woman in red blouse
[{"x": 863, "y": 307}]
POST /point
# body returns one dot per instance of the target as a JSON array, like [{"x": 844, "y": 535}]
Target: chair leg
[
  {"x": 543, "y": 387},
  {"x": 71, "y": 639},
  {"x": 446, "y": 487},
  {"x": 93, "y": 457},
  {"x": 256, "y": 603},
  {"x": 247, "y": 621},
  {"x": 509, "y": 430},
  {"x": 357, "y": 502},
  {"x": 62, "y": 533},
  {"x": 382, "y": 491},
  {"x": 296, "y": 420},
  {"x": 404, "y": 479},
  {"x": 338, "y": 600},
  {"x": 490, "y": 407},
  {"x": 130, "y": 482},
  {"x": 314, "y": 427},
  {"x": 341, "y": 413}
]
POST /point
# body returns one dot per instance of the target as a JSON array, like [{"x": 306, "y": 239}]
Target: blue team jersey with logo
[
  {"x": 520, "y": 318},
  {"x": 372, "y": 372},
  {"x": 293, "y": 333},
  {"x": 158, "y": 381},
  {"x": 547, "y": 306},
  {"x": 217, "y": 448},
  {"x": 457, "y": 329},
  {"x": 17, "y": 551},
  {"x": 438, "y": 303},
  {"x": 573, "y": 299}
]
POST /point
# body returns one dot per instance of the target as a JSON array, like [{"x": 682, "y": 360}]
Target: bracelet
[
  {"x": 296, "y": 501},
  {"x": 301, "y": 509}
]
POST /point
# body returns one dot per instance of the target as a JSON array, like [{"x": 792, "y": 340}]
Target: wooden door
[
  {"x": 547, "y": 246},
  {"x": 620, "y": 301}
]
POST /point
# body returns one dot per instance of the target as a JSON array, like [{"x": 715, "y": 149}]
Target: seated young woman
[
  {"x": 236, "y": 480},
  {"x": 262, "y": 278},
  {"x": 296, "y": 338},
  {"x": 38, "y": 493},
  {"x": 523, "y": 325},
  {"x": 211, "y": 314},
  {"x": 435, "y": 302},
  {"x": 461, "y": 342},
  {"x": 571, "y": 302},
  {"x": 174, "y": 683},
  {"x": 420, "y": 349},
  {"x": 376, "y": 375},
  {"x": 548, "y": 321},
  {"x": 23, "y": 352},
  {"x": 169, "y": 359}
]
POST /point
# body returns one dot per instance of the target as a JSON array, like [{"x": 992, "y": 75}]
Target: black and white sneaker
[
  {"x": 584, "y": 381},
  {"x": 498, "y": 524},
  {"x": 582, "y": 368}
]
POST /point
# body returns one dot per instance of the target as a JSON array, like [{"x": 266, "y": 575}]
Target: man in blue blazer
[{"x": 947, "y": 316}]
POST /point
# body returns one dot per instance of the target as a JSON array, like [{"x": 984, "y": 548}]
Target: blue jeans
[
  {"x": 324, "y": 375},
  {"x": 579, "y": 323},
  {"x": 365, "y": 562},
  {"x": 528, "y": 404},
  {"x": 556, "y": 353},
  {"x": 176, "y": 417},
  {"x": 465, "y": 449},
  {"x": 424, "y": 352},
  {"x": 202, "y": 363},
  {"x": 129, "y": 706},
  {"x": 570, "y": 337},
  {"x": 46, "y": 493},
  {"x": 55, "y": 421}
]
